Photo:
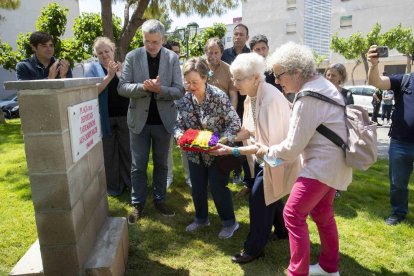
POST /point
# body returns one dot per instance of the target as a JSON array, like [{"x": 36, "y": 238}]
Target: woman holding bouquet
[
  {"x": 265, "y": 122},
  {"x": 208, "y": 108}
]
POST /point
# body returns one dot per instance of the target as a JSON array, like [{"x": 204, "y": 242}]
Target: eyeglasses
[
  {"x": 238, "y": 80},
  {"x": 278, "y": 76},
  {"x": 154, "y": 43}
]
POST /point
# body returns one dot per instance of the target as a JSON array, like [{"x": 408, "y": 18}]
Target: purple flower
[{"x": 214, "y": 139}]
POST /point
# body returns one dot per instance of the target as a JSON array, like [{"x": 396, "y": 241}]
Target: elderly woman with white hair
[
  {"x": 265, "y": 121},
  {"x": 324, "y": 169}
]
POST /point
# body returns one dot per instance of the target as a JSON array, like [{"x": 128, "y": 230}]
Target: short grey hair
[
  {"x": 214, "y": 41},
  {"x": 249, "y": 64},
  {"x": 153, "y": 26},
  {"x": 292, "y": 56}
]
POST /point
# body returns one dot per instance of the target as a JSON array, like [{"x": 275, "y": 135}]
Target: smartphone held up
[{"x": 382, "y": 51}]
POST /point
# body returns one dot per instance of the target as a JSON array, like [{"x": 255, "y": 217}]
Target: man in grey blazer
[{"x": 151, "y": 78}]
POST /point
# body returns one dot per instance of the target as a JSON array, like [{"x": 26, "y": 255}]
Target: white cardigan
[
  {"x": 322, "y": 159},
  {"x": 272, "y": 125}
]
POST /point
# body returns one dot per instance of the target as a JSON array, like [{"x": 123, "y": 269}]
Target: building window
[
  {"x": 229, "y": 39},
  {"x": 291, "y": 28},
  {"x": 291, "y": 4},
  {"x": 346, "y": 21}
]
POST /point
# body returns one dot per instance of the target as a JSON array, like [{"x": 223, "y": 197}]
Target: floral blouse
[{"x": 215, "y": 113}]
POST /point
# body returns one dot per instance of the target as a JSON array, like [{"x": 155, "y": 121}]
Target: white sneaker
[
  {"x": 316, "y": 269},
  {"x": 227, "y": 232},
  {"x": 188, "y": 182},
  {"x": 169, "y": 182}
]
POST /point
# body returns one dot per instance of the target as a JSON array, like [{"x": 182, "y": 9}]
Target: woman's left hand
[
  {"x": 262, "y": 151},
  {"x": 221, "y": 150}
]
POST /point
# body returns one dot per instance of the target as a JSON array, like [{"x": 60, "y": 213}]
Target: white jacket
[{"x": 322, "y": 159}]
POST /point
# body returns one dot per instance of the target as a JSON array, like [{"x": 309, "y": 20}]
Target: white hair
[
  {"x": 153, "y": 26},
  {"x": 292, "y": 56},
  {"x": 248, "y": 64}
]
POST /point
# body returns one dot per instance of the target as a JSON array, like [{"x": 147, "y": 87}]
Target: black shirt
[
  {"x": 32, "y": 69},
  {"x": 117, "y": 105},
  {"x": 153, "y": 66},
  {"x": 229, "y": 55}
]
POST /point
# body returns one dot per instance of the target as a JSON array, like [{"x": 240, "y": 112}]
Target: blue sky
[{"x": 95, "y": 6}]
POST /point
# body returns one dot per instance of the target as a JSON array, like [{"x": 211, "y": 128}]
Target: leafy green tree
[
  {"x": 141, "y": 7},
  {"x": 9, "y": 5},
  {"x": 402, "y": 40},
  {"x": 356, "y": 46},
  {"x": 53, "y": 20},
  {"x": 196, "y": 45}
]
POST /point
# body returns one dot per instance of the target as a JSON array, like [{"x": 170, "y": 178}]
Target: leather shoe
[
  {"x": 394, "y": 219},
  {"x": 244, "y": 258}
]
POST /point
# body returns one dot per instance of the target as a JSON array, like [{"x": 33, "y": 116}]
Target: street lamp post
[{"x": 186, "y": 34}]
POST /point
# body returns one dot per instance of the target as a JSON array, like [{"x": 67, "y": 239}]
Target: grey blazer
[{"x": 135, "y": 72}]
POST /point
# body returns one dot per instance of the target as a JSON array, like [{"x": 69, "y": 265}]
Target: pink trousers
[{"x": 311, "y": 196}]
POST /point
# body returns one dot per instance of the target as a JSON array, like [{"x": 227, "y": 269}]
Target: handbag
[{"x": 225, "y": 163}]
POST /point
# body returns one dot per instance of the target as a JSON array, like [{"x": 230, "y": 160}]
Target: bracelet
[{"x": 236, "y": 151}]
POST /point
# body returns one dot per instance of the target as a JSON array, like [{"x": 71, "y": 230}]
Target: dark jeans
[
  {"x": 262, "y": 218},
  {"x": 375, "y": 111},
  {"x": 386, "y": 112},
  {"x": 401, "y": 158},
  {"x": 117, "y": 156},
  {"x": 157, "y": 137},
  {"x": 202, "y": 176}
]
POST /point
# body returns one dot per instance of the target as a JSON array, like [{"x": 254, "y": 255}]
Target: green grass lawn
[{"x": 160, "y": 246}]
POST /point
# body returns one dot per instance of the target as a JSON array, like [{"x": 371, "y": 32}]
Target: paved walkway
[{"x": 383, "y": 141}]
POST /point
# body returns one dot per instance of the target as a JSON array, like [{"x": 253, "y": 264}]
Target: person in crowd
[
  {"x": 259, "y": 44},
  {"x": 401, "y": 150},
  {"x": 376, "y": 104},
  {"x": 43, "y": 64},
  {"x": 151, "y": 78},
  {"x": 265, "y": 120},
  {"x": 324, "y": 170},
  {"x": 387, "y": 101},
  {"x": 336, "y": 73},
  {"x": 240, "y": 38},
  {"x": 175, "y": 47},
  {"x": 207, "y": 107},
  {"x": 219, "y": 74},
  {"x": 113, "y": 110}
]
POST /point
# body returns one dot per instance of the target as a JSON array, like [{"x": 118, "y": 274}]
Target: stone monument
[{"x": 61, "y": 128}]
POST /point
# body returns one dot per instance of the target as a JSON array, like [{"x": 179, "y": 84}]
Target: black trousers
[{"x": 262, "y": 218}]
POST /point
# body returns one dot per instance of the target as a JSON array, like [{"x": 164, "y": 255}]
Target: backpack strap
[
  {"x": 325, "y": 131},
  {"x": 405, "y": 82}
]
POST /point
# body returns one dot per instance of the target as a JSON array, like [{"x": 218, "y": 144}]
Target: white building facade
[{"x": 313, "y": 22}]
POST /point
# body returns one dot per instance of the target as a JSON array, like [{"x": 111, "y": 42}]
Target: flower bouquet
[{"x": 198, "y": 140}]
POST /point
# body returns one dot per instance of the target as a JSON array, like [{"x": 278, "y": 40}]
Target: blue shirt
[
  {"x": 32, "y": 69},
  {"x": 229, "y": 55},
  {"x": 402, "y": 127}
]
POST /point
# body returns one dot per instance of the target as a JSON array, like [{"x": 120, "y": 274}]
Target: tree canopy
[{"x": 356, "y": 46}]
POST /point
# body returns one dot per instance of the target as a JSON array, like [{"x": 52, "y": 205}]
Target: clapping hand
[{"x": 153, "y": 85}]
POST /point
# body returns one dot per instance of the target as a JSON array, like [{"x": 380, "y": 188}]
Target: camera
[{"x": 382, "y": 51}]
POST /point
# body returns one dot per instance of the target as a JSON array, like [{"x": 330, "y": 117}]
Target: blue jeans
[
  {"x": 201, "y": 176},
  {"x": 401, "y": 158},
  {"x": 157, "y": 137}
]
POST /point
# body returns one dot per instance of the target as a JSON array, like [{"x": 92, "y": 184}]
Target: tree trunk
[
  {"x": 128, "y": 31},
  {"x": 357, "y": 62},
  {"x": 365, "y": 61},
  {"x": 2, "y": 119},
  {"x": 106, "y": 15},
  {"x": 409, "y": 60}
]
